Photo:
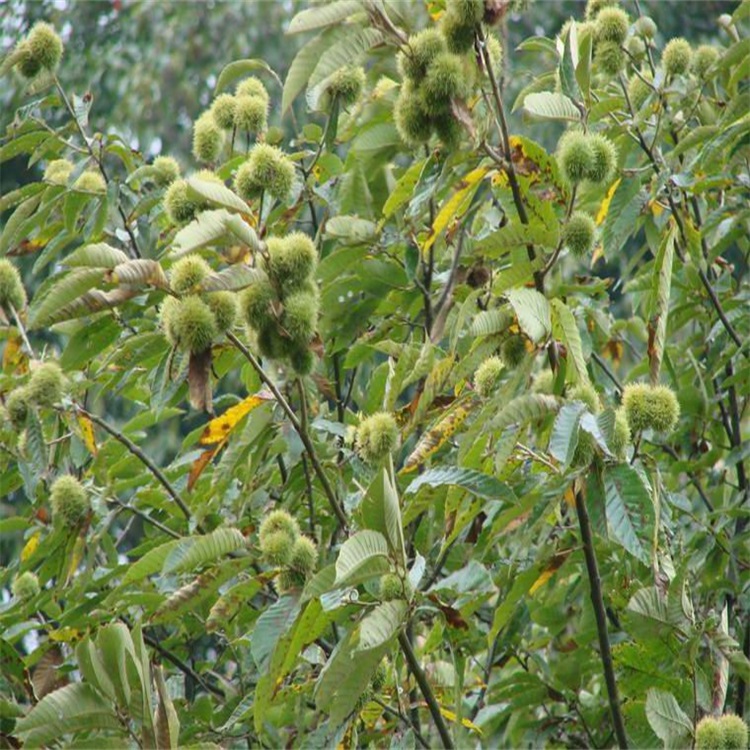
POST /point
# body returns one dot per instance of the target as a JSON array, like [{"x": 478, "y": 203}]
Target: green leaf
[
  {"x": 167, "y": 723},
  {"x": 214, "y": 227},
  {"x": 567, "y": 67},
  {"x": 93, "y": 668},
  {"x": 488, "y": 322},
  {"x": 354, "y": 230},
  {"x": 381, "y": 512},
  {"x": 345, "y": 678},
  {"x": 364, "y": 555},
  {"x": 513, "y": 235},
  {"x": 533, "y": 313},
  {"x": 74, "y": 708},
  {"x": 404, "y": 188},
  {"x": 97, "y": 255},
  {"x": 565, "y": 327},
  {"x": 564, "y": 439},
  {"x": 113, "y": 643},
  {"x": 524, "y": 409},
  {"x": 551, "y": 106},
  {"x": 621, "y": 221},
  {"x": 193, "y": 552},
  {"x": 63, "y": 289},
  {"x": 345, "y": 51},
  {"x": 659, "y": 309},
  {"x": 239, "y": 68},
  {"x": 217, "y": 194},
  {"x": 629, "y": 509},
  {"x": 271, "y": 626},
  {"x": 231, "y": 279},
  {"x": 479, "y": 484},
  {"x": 23, "y": 144},
  {"x": 304, "y": 63},
  {"x": 669, "y": 722},
  {"x": 379, "y": 626},
  {"x": 320, "y": 16}
]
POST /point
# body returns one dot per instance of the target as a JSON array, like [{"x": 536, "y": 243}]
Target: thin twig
[
  {"x": 303, "y": 434},
  {"x": 99, "y": 163},
  {"x": 405, "y": 719},
  {"x": 142, "y": 457},
  {"x": 416, "y": 669},
  {"x": 600, "y": 613}
]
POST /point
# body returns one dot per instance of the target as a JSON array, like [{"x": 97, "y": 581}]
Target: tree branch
[
  {"x": 142, "y": 457},
  {"x": 424, "y": 686},
  {"x": 600, "y": 613},
  {"x": 303, "y": 434}
]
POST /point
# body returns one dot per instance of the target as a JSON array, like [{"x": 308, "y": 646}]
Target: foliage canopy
[{"x": 416, "y": 419}]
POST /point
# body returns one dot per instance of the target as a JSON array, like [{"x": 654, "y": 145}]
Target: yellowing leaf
[
  {"x": 604, "y": 208},
  {"x": 656, "y": 208},
  {"x": 31, "y": 546},
  {"x": 217, "y": 429},
  {"x": 76, "y": 556},
  {"x": 457, "y": 203},
  {"x": 451, "y": 716},
  {"x": 434, "y": 438},
  {"x": 64, "y": 635},
  {"x": 87, "y": 434},
  {"x": 14, "y": 359},
  {"x": 553, "y": 566}
]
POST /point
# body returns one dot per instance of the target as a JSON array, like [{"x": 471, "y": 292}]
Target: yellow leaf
[
  {"x": 435, "y": 437},
  {"x": 87, "y": 433},
  {"x": 31, "y": 546},
  {"x": 656, "y": 208},
  {"x": 76, "y": 556},
  {"x": 604, "y": 208},
  {"x": 554, "y": 565},
  {"x": 570, "y": 497},
  {"x": 457, "y": 203},
  {"x": 451, "y": 716},
  {"x": 64, "y": 635},
  {"x": 14, "y": 359},
  {"x": 218, "y": 428}
]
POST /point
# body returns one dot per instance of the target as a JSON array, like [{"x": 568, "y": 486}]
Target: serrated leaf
[
  {"x": 404, "y": 188},
  {"x": 231, "y": 279},
  {"x": 345, "y": 51},
  {"x": 549, "y": 105},
  {"x": 669, "y": 722},
  {"x": 364, "y": 555},
  {"x": 478, "y": 483},
  {"x": 345, "y": 677},
  {"x": 515, "y": 235},
  {"x": 234, "y": 70},
  {"x": 488, "y": 322},
  {"x": 379, "y": 626},
  {"x": 432, "y": 440},
  {"x": 192, "y": 552},
  {"x": 63, "y": 289},
  {"x": 271, "y": 626},
  {"x": 214, "y": 227},
  {"x": 629, "y": 509},
  {"x": 320, "y": 16},
  {"x": 564, "y": 439},
  {"x": 524, "y": 409},
  {"x": 533, "y": 311},
  {"x": 218, "y": 429},
  {"x": 456, "y": 205},
  {"x": 659, "y": 308},
  {"x": 381, "y": 512},
  {"x": 74, "y": 708},
  {"x": 622, "y": 214},
  {"x": 97, "y": 255},
  {"x": 565, "y": 327},
  {"x": 217, "y": 194},
  {"x": 138, "y": 273}
]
